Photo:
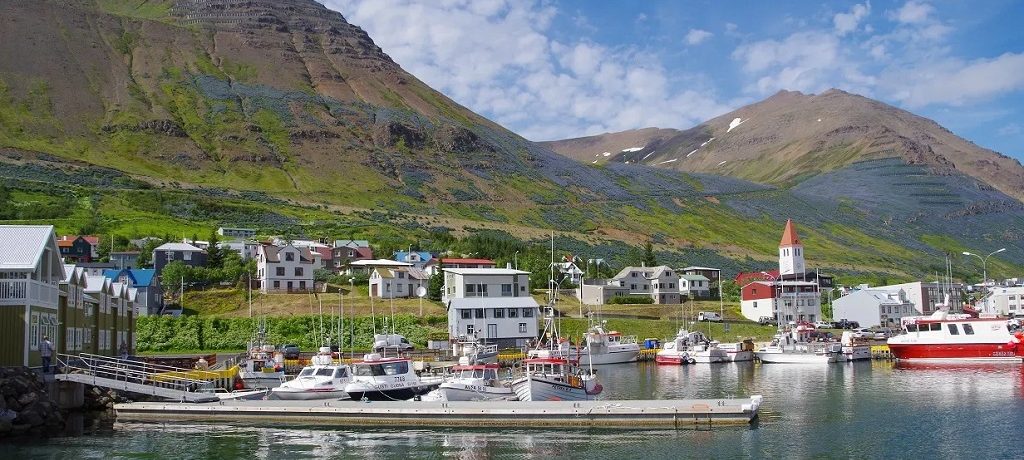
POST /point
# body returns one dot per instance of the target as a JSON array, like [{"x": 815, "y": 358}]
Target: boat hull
[
  {"x": 464, "y": 392},
  {"x": 535, "y": 389},
  {"x": 289, "y": 394},
  {"x": 612, "y": 357},
  {"x": 955, "y": 352},
  {"x": 796, "y": 358},
  {"x": 672, "y": 358},
  {"x": 738, "y": 356},
  {"x": 856, "y": 353},
  {"x": 710, "y": 356},
  {"x": 261, "y": 380}
]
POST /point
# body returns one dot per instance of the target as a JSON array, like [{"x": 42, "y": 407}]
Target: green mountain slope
[{"x": 162, "y": 117}]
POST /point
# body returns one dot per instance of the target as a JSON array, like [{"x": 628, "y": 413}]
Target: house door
[
  {"x": 373, "y": 291},
  {"x": 492, "y": 331},
  {"x": 410, "y": 290}
]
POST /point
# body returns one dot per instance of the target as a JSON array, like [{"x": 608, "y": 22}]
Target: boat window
[
  {"x": 326, "y": 372},
  {"x": 953, "y": 329},
  {"x": 397, "y": 368},
  {"x": 911, "y": 328},
  {"x": 936, "y": 326},
  {"x": 968, "y": 329},
  {"x": 368, "y": 370},
  {"x": 340, "y": 373},
  {"x": 305, "y": 372}
]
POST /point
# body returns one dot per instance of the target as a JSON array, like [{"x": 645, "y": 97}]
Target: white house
[
  {"x": 493, "y": 304},
  {"x": 30, "y": 274},
  {"x": 1006, "y": 301},
  {"x": 237, "y": 233},
  {"x": 285, "y": 269},
  {"x": 928, "y": 297},
  {"x": 570, "y": 271},
  {"x": 389, "y": 283},
  {"x": 660, "y": 283},
  {"x": 695, "y": 286},
  {"x": 873, "y": 307}
]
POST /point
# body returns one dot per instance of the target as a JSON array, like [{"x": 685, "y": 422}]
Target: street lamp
[
  {"x": 515, "y": 259},
  {"x": 984, "y": 267}
]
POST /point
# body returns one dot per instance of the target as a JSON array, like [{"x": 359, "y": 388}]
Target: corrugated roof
[
  {"x": 486, "y": 271},
  {"x": 95, "y": 283},
  {"x": 22, "y": 246},
  {"x": 694, "y": 277},
  {"x": 180, "y": 247}
]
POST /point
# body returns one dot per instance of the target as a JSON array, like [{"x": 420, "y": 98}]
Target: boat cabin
[
  {"x": 333, "y": 372},
  {"x": 381, "y": 368},
  {"x": 483, "y": 372}
]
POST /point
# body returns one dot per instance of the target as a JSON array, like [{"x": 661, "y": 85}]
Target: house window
[
  {"x": 499, "y": 313},
  {"x": 186, "y": 256},
  {"x": 632, "y": 287},
  {"x": 34, "y": 332},
  {"x": 469, "y": 329},
  {"x": 513, "y": 312},
  {"x": 401, "y": 275},
  {"x": 506, "y": 290},
  {"x": 478, "y": 312},
  {"x": 289, "y": 256},
  {"x": 527, "y": 313},
  {"x": 481, "y": 289},
  {"x": 470, "y": 290},
  {"x": 302, "y": 285},
  {"x": 671, "y": 285},
  {"x": 522, "y": 328},
  {"x": 279, "y": 271},
  {"x": 466, "y": 314},
  {"x": 277, "y": 284},
  {"x": 755, "y": 304},
  {"x": 298, "y": 271}
]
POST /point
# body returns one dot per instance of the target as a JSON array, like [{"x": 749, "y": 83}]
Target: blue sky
[{"x": 560, "y": 69}]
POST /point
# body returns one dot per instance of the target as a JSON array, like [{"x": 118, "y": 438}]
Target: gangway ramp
[{"x": 184, "y": 385}]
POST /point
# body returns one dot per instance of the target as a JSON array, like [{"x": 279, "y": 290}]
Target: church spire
[{"x": 789, "y": 236}]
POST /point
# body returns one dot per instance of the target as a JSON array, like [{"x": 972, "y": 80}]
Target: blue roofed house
[
  {"x": 418, "y": 259},
  {"x": 149, "y": 299}
]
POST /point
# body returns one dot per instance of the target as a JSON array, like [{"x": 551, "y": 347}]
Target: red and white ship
[{"x": 957, "y": 337}]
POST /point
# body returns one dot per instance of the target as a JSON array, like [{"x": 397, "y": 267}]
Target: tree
[
  {"x": 649, "y": 258},
  {"x": 214, "y": 253},
  {"x": 436, "y": 286},
  {"x": 172, "y": 275},
  {"x": 146, "y": 252}
]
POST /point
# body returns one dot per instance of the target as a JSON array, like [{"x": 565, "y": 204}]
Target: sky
[{"x": 550, "y": 69}]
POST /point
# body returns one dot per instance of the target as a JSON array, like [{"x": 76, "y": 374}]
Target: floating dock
[{"x": 685, "y": 413}]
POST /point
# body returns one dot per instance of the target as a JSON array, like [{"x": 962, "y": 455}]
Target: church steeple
[{"x": 791, "y": 251}]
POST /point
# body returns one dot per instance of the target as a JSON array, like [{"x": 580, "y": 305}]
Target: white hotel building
[{"x": 493, "y": 304}]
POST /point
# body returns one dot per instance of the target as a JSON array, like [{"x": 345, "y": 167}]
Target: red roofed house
[
  {"x": 74, "y": 248},
  {"x": 787, "y": 296}
]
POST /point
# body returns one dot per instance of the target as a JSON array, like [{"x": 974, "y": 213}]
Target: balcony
[{"x": 28, "y": 292}]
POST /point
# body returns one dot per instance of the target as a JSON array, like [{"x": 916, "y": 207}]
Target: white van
[
  {"x": 391, "y": 342},
  {"x": 709, "y": 316}
]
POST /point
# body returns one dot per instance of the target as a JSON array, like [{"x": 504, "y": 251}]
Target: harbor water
[{"x": 868, "y": 409}]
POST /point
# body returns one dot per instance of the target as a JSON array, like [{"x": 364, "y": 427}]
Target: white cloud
[
  {"x": 1011, "y": 129},
  {"x": 498, "y": 59},
  {"x": 956, "y": 82},
  {"x": 697, "y": 36},
  {"x": 847, "y": 22},
  {"x": 913, "y": 12},
  {"x": 804, "y": 61}
]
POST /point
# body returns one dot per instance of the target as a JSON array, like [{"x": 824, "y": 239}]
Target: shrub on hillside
[{"x": 630, "y": 300}]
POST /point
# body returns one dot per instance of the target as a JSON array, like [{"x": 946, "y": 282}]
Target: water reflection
[{"x": 863, "y": 409}]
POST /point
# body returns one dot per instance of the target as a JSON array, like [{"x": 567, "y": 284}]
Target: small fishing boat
[
  {"x": 321, "y": 379},
  {"x": 738, "y": 351},
  {"x": 262, "y": 368},
  {"x": 555, "y": 379},
  {"x": 476, "y": 351},
  {"x": 957, "y": 337},
  {"x": 376, "y": 378},
  {"x": 473, "y": 382},
  {"x": 794, "y": 347},
  {"x": 690, "y": 347},
  {"x": 853, "y": 349}
]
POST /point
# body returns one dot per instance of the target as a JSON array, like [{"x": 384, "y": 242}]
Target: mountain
[
  {"x": 136, "y": 117},
  {"x": 791, "y": 136}
]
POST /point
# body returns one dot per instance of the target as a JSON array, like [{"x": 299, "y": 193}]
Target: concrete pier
[{"x": 687, "y": 413}]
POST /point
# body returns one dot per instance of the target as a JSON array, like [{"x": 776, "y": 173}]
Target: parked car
[
  {"x": 824, "y": 325},
  {"x": 709, "y": 316},
  {"x": 767, "y": 320},
  {"x": 863, "y": 333},
  {"x": 846, "y": 324},
  {"x": 290, "y": 351},
  {"x": 883, "y": 333}
]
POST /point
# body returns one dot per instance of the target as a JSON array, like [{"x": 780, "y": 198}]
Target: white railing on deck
[{"x": 22, "y": 291}]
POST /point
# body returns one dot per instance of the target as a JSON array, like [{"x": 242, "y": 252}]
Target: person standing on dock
[{"x": 46, "y": 352}]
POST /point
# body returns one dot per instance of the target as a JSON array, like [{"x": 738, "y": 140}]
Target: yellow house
[{"x": 30, "y": 273}]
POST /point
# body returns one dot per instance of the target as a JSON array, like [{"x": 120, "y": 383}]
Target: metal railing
[{"x": 138, "y": 372}]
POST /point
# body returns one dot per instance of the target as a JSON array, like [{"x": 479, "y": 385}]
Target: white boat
[
  {"x": 738, "y": 351},
  {"x": 690, "y": 347},
  {"x": 387, "y": 379},
  {"x": 473, "y": 382},
  {"x": 600, "y": 347},
  {"x": 262, "y": 368},
  {"x": 475, "y": 351},
  {"x": 322, "y": 379},
  {"x": 555, "y": 379},
  {"x": 852, "y": 350},
  {"x": 793, "y": 348}
]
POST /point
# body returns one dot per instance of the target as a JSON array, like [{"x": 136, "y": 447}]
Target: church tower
[{"x": 791, "y": 252}]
